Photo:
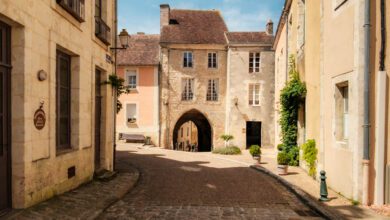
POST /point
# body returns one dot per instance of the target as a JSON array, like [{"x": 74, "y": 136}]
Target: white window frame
[
  {"x": 345, "y": 96},
  {"x": 136, "y": 113},
  {"x": 188, "y": 89},
  {"x": 212, "y": 60},
  {"x": 212, "y": 94},
  {"x": 254, "y": 66},
  {"x": 131, "y": 72},
  {"x": 252, "y": 95},
  {"x": 186, "y": 63}
]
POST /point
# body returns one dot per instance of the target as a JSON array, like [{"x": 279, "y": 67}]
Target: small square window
[{"x": 187, "y": 59}]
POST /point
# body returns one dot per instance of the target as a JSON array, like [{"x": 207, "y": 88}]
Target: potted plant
[
  {"x": 255, "y": 151},
  {"x": 227, "y": 138},
  {"x": 280, "y": 147},
  {"x": 283, "y": 160},
  {"x": 148, "y": 140}
]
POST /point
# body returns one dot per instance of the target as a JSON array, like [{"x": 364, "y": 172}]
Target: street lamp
[{"x": 123, "y": 39}]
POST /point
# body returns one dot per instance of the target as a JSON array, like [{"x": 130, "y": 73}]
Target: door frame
[
  {"x": 246, "y": 133},
  {"x": 98, "y": 158},
  {"x": 8, "y": 117}
]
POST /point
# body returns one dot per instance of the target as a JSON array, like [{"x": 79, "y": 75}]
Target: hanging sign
[{"x": 39, "y": 119}]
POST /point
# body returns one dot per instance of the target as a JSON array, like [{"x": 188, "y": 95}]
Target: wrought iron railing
[
  {"x": 75, "y": 7},
  {"x": 102, "y": 30}
]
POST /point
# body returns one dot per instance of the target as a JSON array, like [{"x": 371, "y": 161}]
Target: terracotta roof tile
[
  {"x": 249, "y": 38},
  {"x": 195, "y": 27},
  {"x": 143, "y": 50}
]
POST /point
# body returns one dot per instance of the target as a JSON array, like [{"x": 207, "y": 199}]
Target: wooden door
[
  {"x": 5, "y": 117},
  {"x": 98, "y": 115}
]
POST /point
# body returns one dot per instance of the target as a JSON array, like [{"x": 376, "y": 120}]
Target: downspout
[
  {"x": 114, "y": 90},
  {"x": 380, "y": 116},
  {"x": 287, "y": 50},
  {"x": 366, "y": 102}
]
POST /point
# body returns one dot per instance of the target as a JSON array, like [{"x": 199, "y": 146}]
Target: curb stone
[{"x": 302, "y": 195}]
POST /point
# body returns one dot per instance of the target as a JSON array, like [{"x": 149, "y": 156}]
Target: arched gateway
[{"x": 203, "y": 126}]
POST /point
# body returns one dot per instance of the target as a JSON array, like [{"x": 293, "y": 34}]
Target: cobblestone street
[{"x": 183, "y": 185}]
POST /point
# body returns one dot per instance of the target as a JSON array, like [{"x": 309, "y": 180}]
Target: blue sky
[{"x": 239, "y": 15}]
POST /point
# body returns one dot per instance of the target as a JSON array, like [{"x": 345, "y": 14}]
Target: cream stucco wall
[
  {"x": 238, "y": 88},
  {"x": 39, "y": 28}
]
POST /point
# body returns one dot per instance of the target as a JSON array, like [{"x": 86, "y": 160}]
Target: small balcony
[
  {"x": 102, "y": 30},
  {"x": 75, "y": 7}
]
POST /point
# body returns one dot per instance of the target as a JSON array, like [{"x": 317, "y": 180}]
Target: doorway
[
  {"x": 98, "y": 118},
  {"x": 253, "y": 133},
  {"x": 5, "y": 117}
]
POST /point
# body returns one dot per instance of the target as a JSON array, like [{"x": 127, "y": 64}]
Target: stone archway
[{"x": 203, "y": 126}]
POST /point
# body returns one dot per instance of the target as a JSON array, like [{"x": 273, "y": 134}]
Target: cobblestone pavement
[
  {"x": 184, "y": 185},
  {"x": 85, "y": 202}
]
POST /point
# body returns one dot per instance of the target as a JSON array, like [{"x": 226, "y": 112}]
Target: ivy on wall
[
  {"x": 117, "y": 83},
  {"x": 291, "y": 97},
  {"x": 310, "y": 156}
]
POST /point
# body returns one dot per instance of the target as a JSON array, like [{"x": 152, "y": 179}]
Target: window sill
[{"x": 60, "y": 152}]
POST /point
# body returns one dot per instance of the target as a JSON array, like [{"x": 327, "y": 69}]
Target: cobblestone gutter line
[
  {"x": 86, "y": 202},
  {"x": 302, "y": 195}
]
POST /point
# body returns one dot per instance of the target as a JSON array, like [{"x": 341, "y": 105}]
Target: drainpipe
[
  {"x": 114, "y": 90},
  {"x": 287, "y": 49},
  {"x": 380, "y": 115},
  {"x": 366, "y": 125}
]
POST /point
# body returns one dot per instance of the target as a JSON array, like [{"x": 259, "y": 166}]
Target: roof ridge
[{"x": 200, "y": 10}]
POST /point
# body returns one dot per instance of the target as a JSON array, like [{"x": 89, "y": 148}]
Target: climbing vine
[
  {"x": 291, "y": 97},
  {"x": 117, "y": 83},
  {"x": 310, "y": 156}
]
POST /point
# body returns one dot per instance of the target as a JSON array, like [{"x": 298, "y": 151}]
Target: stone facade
[
  {"x": 239, "y": 111},
  {"x": 40, "y": 29}
]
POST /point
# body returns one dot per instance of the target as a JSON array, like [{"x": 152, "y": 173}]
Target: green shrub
[
  {"x": 255, "y": 150},
  {"x": 233, "y": 150},
  {"x": 227, "y": 138},
  {"x": 283, "y": 158},
  {"x": 280, "y": 147},
  {"x": 310, "y": 156},
  {"x": 291, "y": 97}
]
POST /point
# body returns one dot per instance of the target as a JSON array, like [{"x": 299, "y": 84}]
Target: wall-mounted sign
[{"x": 39, "y": 119}]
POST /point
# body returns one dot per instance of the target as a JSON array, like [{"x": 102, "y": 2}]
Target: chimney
[
  {"x": 270, "y": 27},
  {"x": 164, "y": 15}
]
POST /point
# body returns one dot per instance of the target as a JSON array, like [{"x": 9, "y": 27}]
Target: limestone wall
[
  {"x": 39, "y": 28},
  {"x": 239, "y": 80},
  {"x": 172, "y": 107}
]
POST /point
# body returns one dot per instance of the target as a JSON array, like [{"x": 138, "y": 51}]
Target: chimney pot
[{"x": 269, "y": 27}]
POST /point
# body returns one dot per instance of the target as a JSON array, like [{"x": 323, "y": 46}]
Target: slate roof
[
  {"x": 194, "y": 27},
  {"x": 249, "y": 38},
  {"x": 143, "y": 50}
]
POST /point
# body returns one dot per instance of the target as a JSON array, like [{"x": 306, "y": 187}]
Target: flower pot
[
  {"x": 257, "y": 158},
  {"x": 282, "y": 169}
]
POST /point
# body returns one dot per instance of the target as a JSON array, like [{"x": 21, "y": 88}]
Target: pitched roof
[
  {"x": 143, "y": 50},
  {"x": 194, "y": 27},
  {"x": 249, "y": 38}
]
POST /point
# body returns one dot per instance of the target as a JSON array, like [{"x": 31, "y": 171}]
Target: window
[
  {"x": 254, "y": 62},
  {"x": 74, "y": 7},
  {"x": 187, "y": 89},
  {"x": 131, "y": 77},
  {"x": 131, "y": 113},
  {"x": 342, "y": 111},
  {"x": 63, "y": 101},
  {"x": 187, "y": 59},
  {"x": 212, "y": 90},
  {"x": 212, "y": 60},
  {"x": 102, "y": 30},
  {"x": 254, "y": 94}
]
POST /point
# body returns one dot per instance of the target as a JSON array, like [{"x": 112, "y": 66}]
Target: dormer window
[{"x": 173, "y": 21}]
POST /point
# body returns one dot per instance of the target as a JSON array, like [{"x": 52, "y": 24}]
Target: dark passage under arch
[{"x": 203, "y": 126}]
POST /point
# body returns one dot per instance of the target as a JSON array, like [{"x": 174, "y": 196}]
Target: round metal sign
[{"x": 39, "y": 119}]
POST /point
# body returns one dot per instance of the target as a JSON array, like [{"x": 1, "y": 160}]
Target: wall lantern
[{"x": 123, "y": 39}]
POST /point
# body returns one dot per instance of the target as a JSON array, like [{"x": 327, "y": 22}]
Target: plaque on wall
[{"x": 39, "y": 119}]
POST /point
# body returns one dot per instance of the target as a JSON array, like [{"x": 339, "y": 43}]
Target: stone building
[
  {"x": 250, "y": 89},
  {"x": 194, "y": 81},
  {"x": 334, "y": 52},
  {"x": 55, "y": 114},
  {"x": 138, "y": 65}
]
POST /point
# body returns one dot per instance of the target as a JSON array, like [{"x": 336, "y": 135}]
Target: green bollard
[{"x": 323, "y": 187}]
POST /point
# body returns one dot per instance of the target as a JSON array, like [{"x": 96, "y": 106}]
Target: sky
[{"x": 240, "y": 15}]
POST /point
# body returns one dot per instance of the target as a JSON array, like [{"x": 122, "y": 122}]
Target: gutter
[{"x": 366, "y": 102}]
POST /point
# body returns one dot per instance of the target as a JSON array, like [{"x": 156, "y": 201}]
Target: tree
[{"x": 227, "y": 138}]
